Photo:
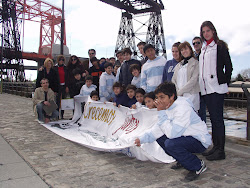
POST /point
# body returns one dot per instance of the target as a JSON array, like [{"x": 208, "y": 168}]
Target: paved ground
[{"x": 61, "y": 163}]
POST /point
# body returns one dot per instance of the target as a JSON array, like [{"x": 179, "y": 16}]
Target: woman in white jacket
[
  {"x": 186, "y": 75},
  {"x": 213, "y": 81}
]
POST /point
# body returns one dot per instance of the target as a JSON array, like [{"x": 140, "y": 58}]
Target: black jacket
[
  {"x": 53, "y": 78},
  {"x": 126, "y": 76},
  {"x": 223, "y": 61}
]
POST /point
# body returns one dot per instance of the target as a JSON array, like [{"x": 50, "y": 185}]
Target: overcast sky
[{"x": 94, "y": 24}]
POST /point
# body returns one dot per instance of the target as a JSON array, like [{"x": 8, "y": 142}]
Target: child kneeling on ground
[{"x": 181, "y": 130}]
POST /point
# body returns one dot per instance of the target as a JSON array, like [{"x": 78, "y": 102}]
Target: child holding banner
[
  {"x": 149, "y": 99},
  {"x": 131, "y": 95},
  {"x": 183, "y": 129}
]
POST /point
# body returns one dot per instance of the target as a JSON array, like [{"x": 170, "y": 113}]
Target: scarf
[{"x": 186, "y": 60}]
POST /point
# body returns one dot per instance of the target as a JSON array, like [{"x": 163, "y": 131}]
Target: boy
[
  {"x": 126, "y": 76},
  {"x": 88, "y": 87},
  {"x": 121, "y": 97},
  {"x": 94, "y": 95},
  {"x": 140, "y": 47},
  {"x": 136, "y": 72},
  {"x": 131, "y": 95},
  {"x": 95, "y": 71},
  {"x": 181, "y": 131},
  {"x": 152, "y": 70},
  {"x": 77, "y": 84},
  {"x": 106, "y": 83}
]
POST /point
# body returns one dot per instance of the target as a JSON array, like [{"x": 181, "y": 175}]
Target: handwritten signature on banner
[{"x": 129, "y": 125}]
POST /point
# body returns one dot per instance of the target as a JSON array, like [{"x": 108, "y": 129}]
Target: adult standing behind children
[
  {"x": 213, "y": 80},
  {"x": 126, "y": 76},
  {"x": 87, "y": 63},
  {"x": 48, "y": 72},
  {"x": 197, "y": 44},
  {"x": 186, "y": 76},
  {"x": 74, "y": 63},
  {"x": 168, "y": 71},
  {"x": 152, "y": 70},
  {"x": 61, "y": 70}
]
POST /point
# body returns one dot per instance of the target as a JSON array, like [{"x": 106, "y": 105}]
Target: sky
[{"x": 94, "y": 24}]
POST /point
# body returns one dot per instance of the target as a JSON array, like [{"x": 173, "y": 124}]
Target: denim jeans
[{"x": 41, "y": 114}]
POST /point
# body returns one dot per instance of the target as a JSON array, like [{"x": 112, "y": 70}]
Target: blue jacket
[
  {"x": 131, "y": 102},
  {"x": 168, "y": 70},
  {"x": 121, "y": 99}
]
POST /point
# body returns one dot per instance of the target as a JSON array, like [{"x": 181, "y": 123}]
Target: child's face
[
  {"x": 150, "y": 53},
  {"x": 77, "y": 76},
  {"x": 88, "y": 83},
  {"x": 109, "y": 70},
  {"x": 115, "y": 69},
  {"x": 165, "y": 99},
  {"x": 149, "y": 102},
  {"x": 139, "y": 97},
  {"x": 127, "y": 56},
  {"x": 117, "y": 90},
  {"x": 95, "y": 98},
  {"x": 131, "y": 93},
  {"x": 135, "y": 72}
]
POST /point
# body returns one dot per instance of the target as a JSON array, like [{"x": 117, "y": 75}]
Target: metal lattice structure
[
  {"x": 11, "y": 55},
  {"x": 134, "y": 9}
]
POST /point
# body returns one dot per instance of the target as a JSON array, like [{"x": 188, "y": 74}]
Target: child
[
  {"x": 139, "y": 95},
  {"x": 125, "y": 76},
  {"x": 115, "y": 69},
  {"x": 77, "y": 84},
  {"x": 94, "y": 95},
  {"x": 121, "y": 97},
  {"x": 88, "y": 87},
  {"x": 131, "y": 95},
  {"x": 152, "y": 70},
  {"x": 181, "y": 131},
  {"x": 107, "y": 80},
  {"x": 149, "y": 99},
  {"x": 95, "y": 71},
  {"x": 136, "y": 72}
]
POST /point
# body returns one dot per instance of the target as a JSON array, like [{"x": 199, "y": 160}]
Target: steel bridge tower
[
  {"x": 132, "y": 10},
  {"x": 11, "y": 61}
]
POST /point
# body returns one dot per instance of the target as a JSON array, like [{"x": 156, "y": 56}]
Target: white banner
[{"x": 105, "y": 127}]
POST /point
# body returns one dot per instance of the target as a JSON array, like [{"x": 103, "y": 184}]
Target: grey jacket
[{"x": 192, "y": 85}]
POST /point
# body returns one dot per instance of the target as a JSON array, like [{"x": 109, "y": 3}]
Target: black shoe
[
  {"x": 217, "y": 155},
  {"x": 192, "y": 175},
  {"x": 210, "y": 152},
  {"x": 176, "y": 166}
]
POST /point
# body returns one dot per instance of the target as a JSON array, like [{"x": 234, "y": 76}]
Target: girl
[
  {"x": 213, "y": 81},
  {"x": 170, "y": 65},
  {"x": 186, "y": 75}
]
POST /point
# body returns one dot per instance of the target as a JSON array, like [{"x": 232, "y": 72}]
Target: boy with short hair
[
  {"x": 77, "y": 84},
  {"x": 181, "y": 129},
  {"x": 139, "y": 95},
  {"x": 136, "y": 72},
  {"x": 152, "y": 70},
  {"x": 131, "y": 95},
  {"x": 149, "y": 99},
  {"x": 95, "y": 71},
  {"x": 88, "y": 87},
  {"x": 140, "y": 46},
  {"x": 94, "y": 95},
  {"x": 126, "y": 76},
  {"x": 121, "y": 97},
  {"x": 106, "y": 82}
]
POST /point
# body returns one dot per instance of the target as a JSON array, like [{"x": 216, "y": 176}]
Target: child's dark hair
[
  {"x": 150, "y": 95},
  {"x": 89, "y": 77},
  {"x": 93, "y": 59},
  {"x": 118, "y": 84},
  {"x": 141, "y": 43},
  {"x": 127, "y": 50},
  {"x": 147, "y": 46},
  {"x": 106, "y": 65},
  {"x": 93, "y": 93},
  {"x": 140, "y": 90},
  {"x": 76, "y": 71},
  {"x": 133, "y": 67},
  {"x": 168, "y": 88},
  {"x": 131, "y": 87}
]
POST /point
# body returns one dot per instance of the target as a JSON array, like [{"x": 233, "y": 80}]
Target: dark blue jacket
[
  {"x": 168, "y": 70},
  {"x": 121, "y": 99},
  {"x": 126, "y": 76},
  {"x": 131, "y": 102}
]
